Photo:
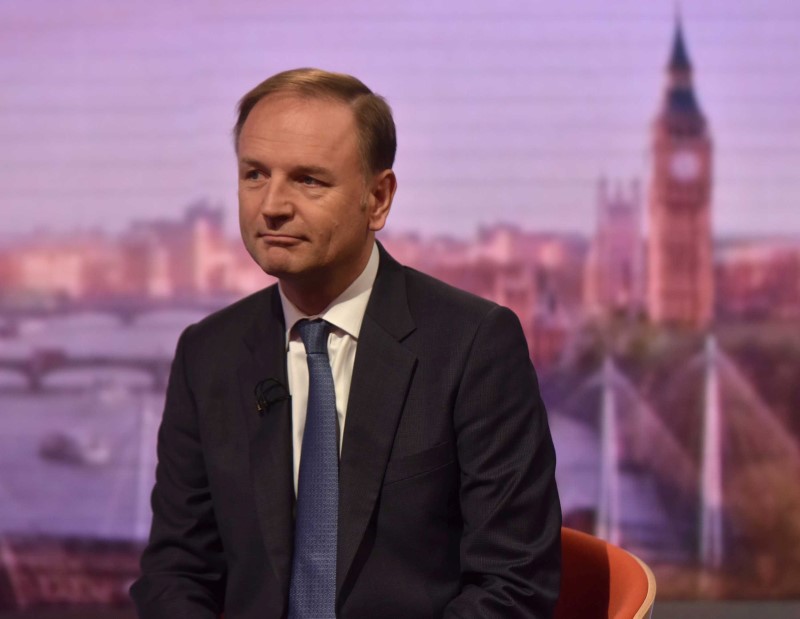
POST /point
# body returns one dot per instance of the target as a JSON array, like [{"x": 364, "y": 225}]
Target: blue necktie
[{"x": 312, "y": 594}]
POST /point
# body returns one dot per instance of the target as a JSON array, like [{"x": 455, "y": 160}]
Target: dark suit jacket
[{"x": 448, "y": 504}]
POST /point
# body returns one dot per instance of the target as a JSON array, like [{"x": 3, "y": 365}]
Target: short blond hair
[{"x": 377, "y": 138}]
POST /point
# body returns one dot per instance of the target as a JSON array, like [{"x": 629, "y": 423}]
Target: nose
[{"x": 276, "y": 203}]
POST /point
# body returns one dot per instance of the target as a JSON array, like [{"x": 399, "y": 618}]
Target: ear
[{"x": 379, "y": 199}]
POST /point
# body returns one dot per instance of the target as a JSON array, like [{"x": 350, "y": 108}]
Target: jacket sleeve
[
  {"x": 183, "y": 567},
  {"x": 510, "y": 546}
]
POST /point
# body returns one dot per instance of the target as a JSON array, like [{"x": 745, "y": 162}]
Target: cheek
[
  {"x": 248, "y": 221},
  {"x": 323, "y": 219},
  {"x": 248, "y": 210},
  {"x": 329, "y": 236}
]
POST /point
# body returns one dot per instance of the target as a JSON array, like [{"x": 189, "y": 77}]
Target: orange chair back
[{"x": 602, "y": 581}]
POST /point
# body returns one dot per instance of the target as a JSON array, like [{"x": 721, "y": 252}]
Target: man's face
[{"x": 304, "y": 206}]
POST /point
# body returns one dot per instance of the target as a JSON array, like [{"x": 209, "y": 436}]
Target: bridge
[
  {"x": 127, "y": 309},
  {"x": 669, "y": 464},
  {"x": 44, "y": 363}
]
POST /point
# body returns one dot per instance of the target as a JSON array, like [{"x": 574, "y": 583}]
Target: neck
[
  {"x": 312, "y": 294},
  {"x": 310, "y": 301}
]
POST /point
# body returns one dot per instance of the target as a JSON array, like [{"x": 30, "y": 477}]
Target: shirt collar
[{"x": 346, "y": 312}]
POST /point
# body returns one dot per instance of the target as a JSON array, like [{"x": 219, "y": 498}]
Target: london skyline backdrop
[
  {"x": 512, "y": 113},
  {"x": 117, "y": 116}
]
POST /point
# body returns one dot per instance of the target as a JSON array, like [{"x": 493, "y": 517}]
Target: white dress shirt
[{"x": 345, "y": 313}]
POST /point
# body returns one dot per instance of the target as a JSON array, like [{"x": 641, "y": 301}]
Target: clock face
[{"x": 685, "y": 165}]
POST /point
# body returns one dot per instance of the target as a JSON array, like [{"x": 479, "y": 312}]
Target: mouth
[{"x": 282, "y": 240}]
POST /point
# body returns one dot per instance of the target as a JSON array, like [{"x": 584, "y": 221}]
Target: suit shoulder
[
  {"x": 231, "y": 320},
  {"x": 451, "y": 324},
  {"x": 434, "y": 294}
]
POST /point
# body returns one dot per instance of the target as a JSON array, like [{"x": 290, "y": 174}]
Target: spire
[
  {"x": 680, "y": 97},
  {"x": 679, "y": 61}
]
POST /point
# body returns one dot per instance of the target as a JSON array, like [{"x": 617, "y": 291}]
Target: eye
[
  {"x": 253, "y": 175},
  {"x": 310, "y": 181}
]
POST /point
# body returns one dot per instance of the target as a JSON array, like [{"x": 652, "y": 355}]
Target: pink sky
[{"x": 505, "y": 110}]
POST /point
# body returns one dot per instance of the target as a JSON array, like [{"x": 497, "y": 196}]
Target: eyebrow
[
  {"x": 301, "y": 169},
  {"x": 251, "y": 162},
  {"x": 311, "y": 170}
]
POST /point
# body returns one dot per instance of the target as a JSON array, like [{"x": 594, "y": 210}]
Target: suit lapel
[
  {"x": 381, "y": 376},
  {"x": 270, "y": 434}
]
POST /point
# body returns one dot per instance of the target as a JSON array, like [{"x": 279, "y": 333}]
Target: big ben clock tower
[{"x": 680, "y": 284}]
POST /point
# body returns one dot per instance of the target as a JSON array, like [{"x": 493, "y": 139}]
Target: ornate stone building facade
[{"x": 614, "y": 281}]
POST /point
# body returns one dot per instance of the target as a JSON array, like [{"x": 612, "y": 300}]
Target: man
[{"x": 411, "y": 472}]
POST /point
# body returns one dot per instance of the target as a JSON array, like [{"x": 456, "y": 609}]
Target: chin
[
  {"x": 273, "y": 261},
  {"x": 275, "y": 268}
]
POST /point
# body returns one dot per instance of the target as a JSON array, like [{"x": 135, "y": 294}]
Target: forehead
[{"x": 289, "y": 126}]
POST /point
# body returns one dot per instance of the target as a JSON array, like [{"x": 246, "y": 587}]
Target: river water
[
  {"x": 103, "y": 491},
  {"x": 78, "y": 457}
]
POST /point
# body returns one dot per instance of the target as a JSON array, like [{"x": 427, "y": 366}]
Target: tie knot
[{"x": 314, "y": 334}]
